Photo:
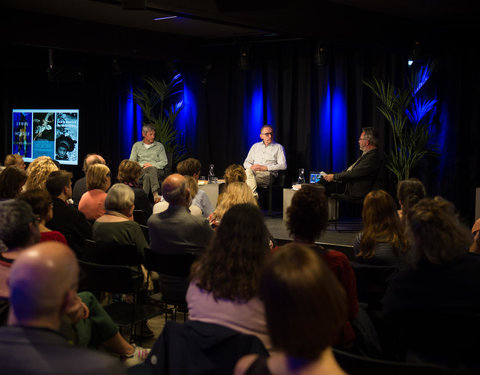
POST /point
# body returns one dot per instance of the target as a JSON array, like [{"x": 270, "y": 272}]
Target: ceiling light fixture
[{"x": 164, "y": 18}]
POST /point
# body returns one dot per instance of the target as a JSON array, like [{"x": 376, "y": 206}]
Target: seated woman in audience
[
  {"x": 475, "y": 247},
  {"x": 129, "y": 173},
  {"x": 42, "y": 206},
  {"x": 233, "y": 173},
  {"x": 307, "y": 218},
  {"x": 12, "y": 180},
  {"x": 409, "y": 192},
  {"x": 235, "y": 193},
  {"x": 305, "y": 308},
  {"x": 117, "y": 224},
  {"x": 192, "y": 187},
  {"x": 92, "y": 202},
  {"x": 38, "y": 171},
  {"x": 382, "y": 240},
  {"x": 14, "y": 160},
  {"x": 443, "y": 276},
  {"x": 224, "y": 281}
]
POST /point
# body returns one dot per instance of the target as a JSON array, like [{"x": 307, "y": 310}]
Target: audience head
[
  {"x": 59, "y": 182},
  {"x": 18, "y": 224},
  {"x": 98, "y": 177},
  {"x": 380, "y": 223},
  {"x": 120, "y": 198},
  {"x": 12, "y": 180},
  {"x": 371, "y": 135},
  {"x": 91, "y": 159},
  {"x": 409, "y": 192},
  {"x": 174, "y": 190},
  {"x": 435, "y": 231},
  {"x": 129, "y": 171},
  {"x": 299, "y": 288},
  {"x": 42, "y": 282},
  {"x": 232, "y": 264},
  {"x": 192, "y": 185},
  {"x": 189, "y": 167},
  {"x": 40, "y": 201},
  {"x": 307, "y": 217},
  {"x": 14, "y": 160},
  {"x": 235, "y": 193},
  {"x": 234, "y": 173},
  {"x": 38, "y": 171}
]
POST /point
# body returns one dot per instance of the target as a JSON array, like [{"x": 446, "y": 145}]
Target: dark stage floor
[{"x": 340, "y": 238}]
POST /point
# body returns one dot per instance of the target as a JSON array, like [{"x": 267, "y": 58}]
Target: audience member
[
  {"x": 235, "y": 193},
  {"x": 43, "y": 282},
  {"x": 85, "y": 323},
  {"x": 409, "y": 192},
  {"x": 117, "y": 225},
  {"x": 151, "y": 156},
  {"x": 38, "y": 171},
  {"x": 192, "y": 167},
  {"x": 80, "y": 186},
  {"x": 265, "y": 158},
  {"x": 66, "y": 219},
  {"x": 129, "y": 173},
  {"x": 299, "y": 288},
  {"x": 234, "y": 173},
  {"x": 443, "y": 276},
  {"x": 307, "y": 218},
  {"x": 192, "y": 187},
  {"x": 176, "y": 230},
  {"x": 475, "y": 247},
  {"x": 14, "y": 160},
  {"x": 98, "y": 182},
  {"x": 12, "y": 180},
  {"x": 382, "y": 240},
  {"x": 42, "y": 207},
  {"x": 360, "y": 177},
  {"x": 224, "y": 281}
]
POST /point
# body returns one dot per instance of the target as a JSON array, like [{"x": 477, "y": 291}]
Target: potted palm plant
[
  {"x": 160, "y": 109},
  {"x": 410, "y": 116}
]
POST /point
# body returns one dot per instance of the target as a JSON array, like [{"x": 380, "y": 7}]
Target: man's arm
[
  {"x": 134, "y": 153},
  {"x": 250, "y": 159},
  {"x": 365, "y": 167},
  {"x": 161, "y": 157}
]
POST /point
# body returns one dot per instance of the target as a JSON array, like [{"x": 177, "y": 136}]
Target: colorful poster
[{"x": 22, "y": 134}]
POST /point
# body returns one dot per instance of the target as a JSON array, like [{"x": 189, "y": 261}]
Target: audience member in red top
[
  {"x": 307, "y": 218},
  {"x": 98, "y": 182},
  {"x": 42, "y": 207}
]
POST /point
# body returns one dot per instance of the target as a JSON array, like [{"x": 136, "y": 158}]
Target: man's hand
[
  {"x": 258, "y": 167},
  {"x": 328, "y": 177},
  {"x": 77, "y": 310},
  {"x": 146, "y": 165}
]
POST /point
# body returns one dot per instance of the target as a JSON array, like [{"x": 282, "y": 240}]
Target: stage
[{"x": 340, "y": 238}]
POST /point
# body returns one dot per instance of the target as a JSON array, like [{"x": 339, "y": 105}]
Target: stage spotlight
[
  {"x": 244, "y": 57},
  {"x": 321, "y": 56}
]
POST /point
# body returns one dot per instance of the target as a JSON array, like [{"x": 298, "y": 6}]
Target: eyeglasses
[{"x": 271, "y": 134}]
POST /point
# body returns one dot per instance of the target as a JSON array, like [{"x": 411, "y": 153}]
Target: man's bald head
[
  {"x": 174, "y": 190},
  {"x": 91, "y": 159},
  {"x": 42, "y": 282}
]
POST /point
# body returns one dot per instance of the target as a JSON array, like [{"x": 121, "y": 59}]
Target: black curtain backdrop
[{"x": 294, "y": 86}]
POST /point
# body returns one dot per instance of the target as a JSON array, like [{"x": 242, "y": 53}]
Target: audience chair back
[
  {"x": 140, "y": 217},
  {"x": 111, "y": 253}
]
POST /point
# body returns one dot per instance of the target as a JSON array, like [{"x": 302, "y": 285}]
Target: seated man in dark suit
[
  {"x": 359, "y": 178},
  {"x": 66, "y": 219},
  {"x": 176, "y": 230},
  {"x": 43, "y": 286}
]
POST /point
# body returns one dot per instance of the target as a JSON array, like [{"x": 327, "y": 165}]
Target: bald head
[
  {"x": 91, "y": 159},
  {"x": 42, "y": 282},
  {"x": 174, "y": 190}
]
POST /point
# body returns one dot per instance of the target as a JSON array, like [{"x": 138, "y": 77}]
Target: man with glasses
[
  {"x": 358, "y": 179},
  {"x": 264, "y": 158}
]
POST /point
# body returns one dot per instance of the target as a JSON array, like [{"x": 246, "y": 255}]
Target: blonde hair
[
  {"x": 192, "y": 185},
  {"x": 97, "y": 176},
  {"x": 13, "y": 160},
  {"x": 235, "y": 193},
  {"x": 38, "y": 172},
  {"x": 234, "y": 173}
]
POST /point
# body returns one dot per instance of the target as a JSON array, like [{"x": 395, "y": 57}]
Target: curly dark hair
[
  {"x": 232, "y": 264},
  {"x": 307, "y": 217},
  {"x": 189, "y": 167},
  {"x": 409, "y": 192},
  {"x": 39, "y": 200},
  {"x": 11, "y": 181},
  {"x": 129, "y": 171}
]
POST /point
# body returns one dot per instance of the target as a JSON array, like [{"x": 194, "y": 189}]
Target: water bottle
[
  {"x": 211, "y": 174},
  {"x": 301, "y": 176}
]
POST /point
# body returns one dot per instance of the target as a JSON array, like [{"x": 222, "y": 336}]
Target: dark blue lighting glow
[
  {"x": 253, "y": 115},
  {"x": 186, "y": 122},
  {"x": 165, "y": 18},
  {"x": 338, "y": 123},
  {"x": 130, "y": 122}
]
